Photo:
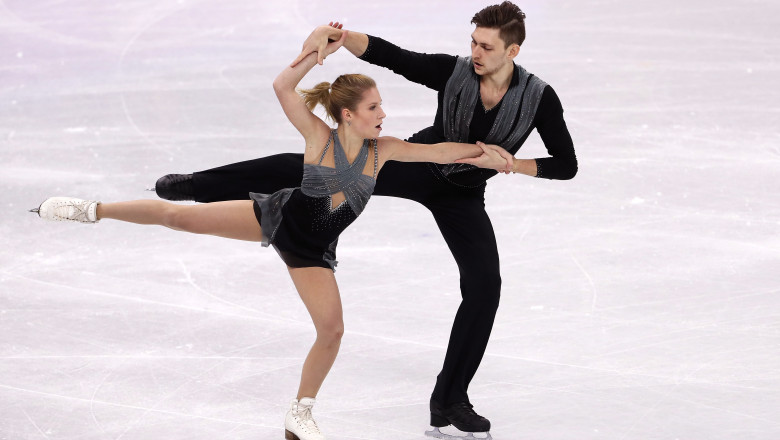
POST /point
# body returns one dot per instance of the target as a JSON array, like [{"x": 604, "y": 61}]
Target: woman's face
[{"x": 367, "y": 117}]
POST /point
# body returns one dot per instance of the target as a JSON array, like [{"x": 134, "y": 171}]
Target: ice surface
[{"x": 640, "y": 300}]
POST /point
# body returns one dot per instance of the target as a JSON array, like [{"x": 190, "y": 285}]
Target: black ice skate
[
  {"x": 175, "y": 187},
  {"x": 461, "y": 415}
]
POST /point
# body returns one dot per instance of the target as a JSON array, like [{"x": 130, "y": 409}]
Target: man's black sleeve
[
  {"x": 562, "y": 163},
  {"x": 430, "y": 70}
]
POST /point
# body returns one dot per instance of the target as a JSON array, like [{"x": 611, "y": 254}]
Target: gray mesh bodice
[{"x": 321, "y": 181}]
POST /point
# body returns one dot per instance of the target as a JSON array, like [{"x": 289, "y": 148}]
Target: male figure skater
[{"x": 485, "y": 97}]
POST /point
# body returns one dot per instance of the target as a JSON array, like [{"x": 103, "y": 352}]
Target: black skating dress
[{"x": 300, "y": 222}]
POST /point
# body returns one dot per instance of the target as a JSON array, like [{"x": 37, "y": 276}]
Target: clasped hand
[
  {"x": 493, "y": 157},
  {"x": 324, "y": 40}
]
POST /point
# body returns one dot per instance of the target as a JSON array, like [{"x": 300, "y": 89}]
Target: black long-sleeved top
[{"x": 433, "y": 71}]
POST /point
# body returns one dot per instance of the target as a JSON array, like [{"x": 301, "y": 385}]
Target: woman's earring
[{"x": 349, "y": 123}]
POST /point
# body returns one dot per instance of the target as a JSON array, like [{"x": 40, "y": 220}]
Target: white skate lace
[
  {"x": 306, "y": 420},
  {"x": 79, "y": 212}
]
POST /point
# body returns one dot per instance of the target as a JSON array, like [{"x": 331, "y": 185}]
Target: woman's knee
[
  {"x": 176, "y": 217},
  {"x": 331, "y": 333}
]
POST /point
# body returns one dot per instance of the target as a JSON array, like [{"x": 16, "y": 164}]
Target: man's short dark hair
[{"x": 507, "y": 18}]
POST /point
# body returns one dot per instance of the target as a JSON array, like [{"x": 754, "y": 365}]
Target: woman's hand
[
  {"x": 492, "y": 157},
  {"x": 319, "y": 40}
]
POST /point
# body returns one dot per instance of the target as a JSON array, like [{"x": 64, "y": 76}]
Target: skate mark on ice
[
  {"x": 590, "y": 282},
  {"x": 47, "y": 34},
  {"x": 666, "y": 396},
  {"x": 132, "y": 407},
  {"x": 352, "y": 421},
  {"x": 729, "y": 411},
  {"x": 381, "y": 287},
  {"x": 34, "y": 424},
  {"x": 696, "y": 303},
  {"x": 515, "y": 259},
  {"x": 267, "y": 316},
  {"x": 81, "y": 291},
  {"x": 121, "y": 61},
  {"x": 233, "y": 88},
  {"x": 153, "y": 408},
  {"x": 94, "y": 395},
  {"x": 675, "y": 336},
  {"x": 143, "y": 357}
]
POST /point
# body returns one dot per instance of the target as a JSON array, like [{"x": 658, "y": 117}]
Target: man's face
[{"x": 488, "y": 51}]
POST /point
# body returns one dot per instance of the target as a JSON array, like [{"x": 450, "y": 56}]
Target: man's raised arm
[
  {"x": 430, "y": 70},
  {"x": 356, "y": 42}
]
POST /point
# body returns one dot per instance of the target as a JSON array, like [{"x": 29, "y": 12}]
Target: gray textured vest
[{"x": 460, "y": 98}]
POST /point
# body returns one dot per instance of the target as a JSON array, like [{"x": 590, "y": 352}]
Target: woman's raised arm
[{"x": 306, "y": 122}]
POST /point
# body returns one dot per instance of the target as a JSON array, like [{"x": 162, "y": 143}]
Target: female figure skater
[{"x": 303, "y": 224}]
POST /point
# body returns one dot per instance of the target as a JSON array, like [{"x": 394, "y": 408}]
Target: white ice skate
[
  {"x": 68, "y": 209},
  {"x": 299, "y": 423}
]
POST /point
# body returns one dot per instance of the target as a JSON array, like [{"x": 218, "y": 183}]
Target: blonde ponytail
[
  {"x": 319, "y": 94},
  {"x": 345, "y": 92}
]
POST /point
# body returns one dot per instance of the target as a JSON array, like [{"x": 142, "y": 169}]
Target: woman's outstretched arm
[{"x": 444, "y": 152}]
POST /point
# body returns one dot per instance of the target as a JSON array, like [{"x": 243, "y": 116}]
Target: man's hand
[
  {"x": 492, "y": 157},
  {"x": 332, "y": 46},
  {"x": 318, "y": 40}
]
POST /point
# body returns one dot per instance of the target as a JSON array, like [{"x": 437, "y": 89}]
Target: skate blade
[{"x": 436, "y": 433}]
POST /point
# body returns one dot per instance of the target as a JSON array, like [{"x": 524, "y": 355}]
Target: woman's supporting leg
[
  {"x": 233, "y": 219},
  {"x": 319, "y": 292}
]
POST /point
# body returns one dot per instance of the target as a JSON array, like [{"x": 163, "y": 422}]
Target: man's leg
[
  {"x": 469, "y": 234},
  {"x": 235, "y": 181},
  {"x": 272, "y": 173},
  {"x": 269, "y": 174}
]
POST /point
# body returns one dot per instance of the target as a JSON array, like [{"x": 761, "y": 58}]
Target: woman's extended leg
[
  {"x": 233, "y": 219},
  {"x": 319, "y": 292}
]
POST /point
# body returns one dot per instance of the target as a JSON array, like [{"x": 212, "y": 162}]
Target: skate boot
[
  {"x": 461, "y": 415},
  {"x": 175, "y": 187},
  {"x": 299, "y": 423},
  {"x": 68, "y": 209}
]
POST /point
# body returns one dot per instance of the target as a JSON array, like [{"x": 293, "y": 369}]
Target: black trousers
[{"x": 460, "y": 214}]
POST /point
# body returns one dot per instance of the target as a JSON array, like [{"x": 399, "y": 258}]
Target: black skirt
[{"x": 307, "y": 234}]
